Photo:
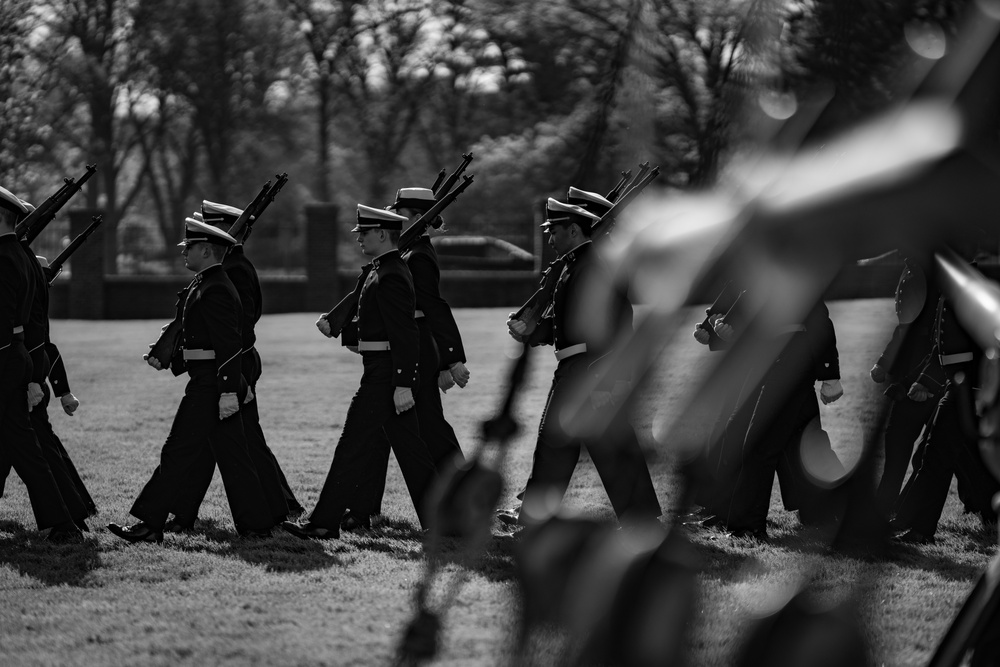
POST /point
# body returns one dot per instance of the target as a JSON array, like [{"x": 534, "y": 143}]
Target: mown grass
[{"x": 211, "y": 598}]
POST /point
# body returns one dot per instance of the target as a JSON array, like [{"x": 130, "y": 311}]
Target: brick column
[
  {"x": 321, "y": 257},
  {"x": 86, "y": 283}
]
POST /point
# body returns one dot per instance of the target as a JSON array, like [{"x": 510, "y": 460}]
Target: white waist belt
[
  {"x": 18, "y": 330},
  {"x": 949, "y": 359},
  {"x": 571, "y": 351},
  {"x": 199, "y": 355},
  {"x": 373, "y": 346},
  {"x": 418, "y": 314}
]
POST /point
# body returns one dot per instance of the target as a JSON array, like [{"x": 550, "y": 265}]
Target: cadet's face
[
  {"x": 193, "y": 255},
  {"x": 370, "y": 241},
  {"x": 560, "y": 239}
]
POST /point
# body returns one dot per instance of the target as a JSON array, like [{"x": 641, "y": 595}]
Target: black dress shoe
[
  {"x": 65, "y": 534},
  {"x": 176, "y": 525},
  {"x": 251, "y": 534},
  {"x": 308, "y": 531},
  {"x": 140, "y": 532},
  {"x": 508, "y": 517},
  {"x": 353, "y": 522},
  {"x": 752, "y": 534},
  {"x": 914, "y": 537},
  {"x": 82, "y": 525}
]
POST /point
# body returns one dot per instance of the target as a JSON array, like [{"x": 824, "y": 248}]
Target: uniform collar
[
  {"x": 384, "y": 256},
  {"x": 201, "y": 274},
  {"x": 576, "y": 252},
  {"x": 3, "y": 237}
]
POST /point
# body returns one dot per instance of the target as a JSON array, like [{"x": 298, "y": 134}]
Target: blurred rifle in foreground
[
  {"x": 344, "y": 311},
  {"x": 533, "y": 309},
  {"x": 33, "y": 224},
  {"x": 53, "y": 270}
]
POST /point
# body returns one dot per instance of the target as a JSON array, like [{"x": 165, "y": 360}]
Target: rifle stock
[
  {"x": 443, "y": 189},
  {"x": 53, "y": 270},
  {"x": 33, "y": 223},
  {"x": 344, "y": 311}
]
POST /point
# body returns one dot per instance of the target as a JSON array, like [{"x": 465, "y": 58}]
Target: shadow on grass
[
  {"x": 279, "y": 553},
  {"x": 53, "y": 564}
]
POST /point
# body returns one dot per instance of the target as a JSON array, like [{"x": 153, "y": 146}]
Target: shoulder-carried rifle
[
  {"x": 53, "y": 270},
  {"x": 439, "y": 180},
  {"x": 616, "y": 191},
  {"x": 533, "y": 309},
  {"x": 243, "y": 226},
  {"x": 165, "y": 347},
  {"x": 444, "y": 188},
  {"x": 33, "y": 223},
  {"x": 344, "y": 311}
]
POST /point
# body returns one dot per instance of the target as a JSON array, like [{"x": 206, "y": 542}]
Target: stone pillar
[
  {"x": 86, "y": 283},
  {"x": 322, "y": 233}
]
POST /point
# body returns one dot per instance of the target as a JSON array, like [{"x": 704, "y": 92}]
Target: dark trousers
[
  {"x": 785, "y": 406},
  {"x": 19, "y": 446},
  {"x": 904, "y": 423},
  {"x": 71, "y": 487},
  {"x": 371, "y": 427},
  {"x": 616, "y": 454},
  {"x": 948, "y": 452},
  {"x": 197, "y": 428},
  {"x": 435, "y": 431}
]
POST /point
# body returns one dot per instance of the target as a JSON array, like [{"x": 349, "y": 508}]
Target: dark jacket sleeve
[
  {"x": 57, "y": 371},
  {"x": 8, "y": 308},
  {"x": 444, "y": 329},
  {"x": 823, "y": 340},
  {"x": 222, "y": 313},
  {"x": 396, "y": 306}
]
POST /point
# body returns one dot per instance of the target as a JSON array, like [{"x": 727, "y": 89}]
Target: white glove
[
  {"x": 701, "y": 335},
  {"x": 723, "y": 330},
  {"x": 229, "y": 405},
  {"x": 403, "y": 398},
  {"x": 516, "y": 329},
  {"x": 460, "y": 374},
  {"x": 323, "y": 325},
  {"x": 250, "y": 396},
  {"x": 599, "y": 399},
  {"x": 69, "y": 403},
  {"x": 878, "y": 374},
  {"x": 918, "y": 393},
  {"x": 152, "y": 361},
  {"x": 35, "y": 395},
  {"x": 445, "y": 381},
  {"x": 830, "y": 391}
]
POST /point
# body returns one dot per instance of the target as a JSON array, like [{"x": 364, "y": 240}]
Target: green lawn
[{"x": 210, "y": 598}]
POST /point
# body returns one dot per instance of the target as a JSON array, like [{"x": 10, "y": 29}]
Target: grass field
[{"x": 211, "y": 598}]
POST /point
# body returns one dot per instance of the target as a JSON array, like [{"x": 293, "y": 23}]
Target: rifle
[
  {"x": 344, "y": 311},
  {"x": 438, "y": 180},
  {"x": 243, "y": 226},
  {"x": 643, "y": 169},
  {"x": 444, "y": 188},
  {"x": 619, "y": 188},
  {"x": 536, "y": 305},
  {"x": 33, "y": 223},
  {"x": 53, "y": 270}
]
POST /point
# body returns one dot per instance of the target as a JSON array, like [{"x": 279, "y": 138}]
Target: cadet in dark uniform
[
  {"x": 952, "y": 370},
  {"x": 388, "y": 340},
  {"x": 207, "y": 416},
  {"x": 442, "y": 356},
  {"x": 277, "y": 492},
  {"x": 578, "y": 345},
  {"x": 900, "y": 365},
  {"x": 18, "y": 444}
]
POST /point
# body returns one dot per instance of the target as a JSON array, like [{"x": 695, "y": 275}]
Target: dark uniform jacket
[
  {"x": 912, "y": 339},
  {"x": 244, "y": 276},
  {"x": 953, "y": 352},
  {"x": 422, "y": 260},
  {"x": 211, "y": 321},
  {"x": 57, "y": 371},
  {"x": 385, "y": 314},
  {"x": 36, "y": 329},
  {"x": 16, "y": 296}
]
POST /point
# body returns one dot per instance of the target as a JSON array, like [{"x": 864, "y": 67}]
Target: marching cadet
[
  {"x": 207, "y": 417},
  {"x": 619, "y": 460},
  {"x": 951, "y": 449},
  {"x": 278, "y": 493},
  {"x": 442, "y": 355},
  {"x": 18, "y": 444},
  {"x": 381, "y": 410}
]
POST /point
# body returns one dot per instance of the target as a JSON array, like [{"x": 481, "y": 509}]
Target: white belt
[
  {"x": 18, "y": 329},
  {"x": 199, "y": 355},
  {"x": 418, "y": 314},
  {"x": 949, "y": 359},
  {"x": 790, "y": 328},
  {"x": 571, "y": 351},
  {"x": 373, "y": 346}
]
